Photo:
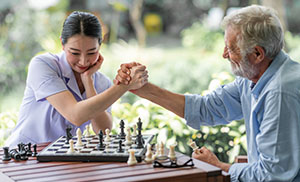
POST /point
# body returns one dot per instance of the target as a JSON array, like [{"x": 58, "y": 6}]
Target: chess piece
[
  {"x": 22, "y": 151},
  {"x": 120, "y": 146},
  {"x": 100, "y": 146},
  {"x": 134, "y": 131},
  {"x": 149, "y": 154},
  {"x": 122, "y": 126},
  {"x": 128, "y": 140},
  {"x": 34, "y": 151},
  {"x": 6, "y": 156},
  {"x": 156, "y": 151},
  {"x": 28, "y": 150},
  {"x": 79, "y": 141},
  {"x": 161, "y": 149},
  {"x": 172, "y": 154},
  {"x": 15, "y": 154},
  {"x": 131, "y": 159},
  {"x": 193, "y": 145},
  {"x": 71, "y": 149},
  {"x": 68, "y": 134},
  {"x": 87, "y": 131},
  {"x": 107, "y": 138}
]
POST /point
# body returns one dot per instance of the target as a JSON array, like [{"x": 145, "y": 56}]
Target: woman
[{"x": 66, "y": 89}]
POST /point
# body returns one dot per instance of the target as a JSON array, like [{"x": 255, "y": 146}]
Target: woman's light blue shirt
[
  {"x": 39, "y": 121},
  {"x": 271, "y": 111}
]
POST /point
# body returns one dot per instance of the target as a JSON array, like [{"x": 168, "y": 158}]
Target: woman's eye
[
  {"x": 74, "y": 53},
  {"x": 91, "y": 53}
]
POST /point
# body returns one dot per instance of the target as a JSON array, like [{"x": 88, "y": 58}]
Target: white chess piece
[
  {"x": 107, "y": 138},
  {"x": 193, "y": 145},
  {"x": 172, "y": 154},
  {"x": 161, "y": 149},
  {"x": 79, "y": 135},
  {"x": 71, "y": 148},
  {"x": 134, "y": 131},
  {"x": 87, "y": 131},
  {"x": 149, "y": 154},
  {"x": 131, "y": 159},
  {"x": 156, "y": 152},
  {"x": 128, "y": 140}
]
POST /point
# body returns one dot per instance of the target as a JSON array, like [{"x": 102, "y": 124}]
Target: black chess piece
[
  {"x": 6, "y": 156},
  {"x": 28, "y": 150},
  {"x": 120, "y": 147},
  {"x": 69, "y": 136},
  {"x": 34, "y": 153},
  {"x": 15, "y": 154},
  {"x": 100, "y": 146},
  {"x": 139, "y": 138},
  {"x": 139, "y": 126},
  {"x": 122, "y": 126}
]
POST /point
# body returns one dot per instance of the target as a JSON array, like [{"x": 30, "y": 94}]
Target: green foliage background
[{"x": 194, "y": 66}]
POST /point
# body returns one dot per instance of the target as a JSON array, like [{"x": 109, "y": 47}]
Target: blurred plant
[
  {"x": 8, "y": 121},
  {"x": 292, "y": 44}
]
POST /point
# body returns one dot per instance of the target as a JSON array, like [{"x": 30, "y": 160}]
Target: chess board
[{"x": 57, "y": 151}]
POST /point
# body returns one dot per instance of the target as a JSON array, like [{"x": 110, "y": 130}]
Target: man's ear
[{"x": 259, "y": 54}]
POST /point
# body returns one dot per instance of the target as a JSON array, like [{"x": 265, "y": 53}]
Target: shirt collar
[
  {"x": 271, "y": 70},
  {"x": 68, "y": 74}
]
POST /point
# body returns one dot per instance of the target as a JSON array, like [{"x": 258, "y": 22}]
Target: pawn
[
  {"x": 156, "y": 152},
  {"x": 79, "y": 141},
  {"x": 149, "y": 154},
  {"x": 28, "y": 150},
  {"x": 87, "y": 131},
  {"x": 71, "y": 148},
  {"x": 107, "y": 138},
  {"x": 134, "y": 131},
  {"x": 128, "y": 140},
  {"x": 6, "y": 156},
  {"x": 161, "y": 150},
  {"x": 172, "y": 154},
  {"x": 192, "y": 144},
  {"x": 131, "y": 160},
  {"x": 34, "y": 153}
]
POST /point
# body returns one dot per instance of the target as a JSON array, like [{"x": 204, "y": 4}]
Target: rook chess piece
[
  {"x": 6, "y": 156},
  {"x": 148, "y": 158},
  {"x": 79, "y": 141},
  {"x": 131, "y": 159}
]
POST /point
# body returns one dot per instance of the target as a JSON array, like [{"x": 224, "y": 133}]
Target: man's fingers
[{"x": 123, "y": 75}]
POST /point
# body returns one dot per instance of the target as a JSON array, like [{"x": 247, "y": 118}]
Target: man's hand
[
  {"x": 124, "y": 72},
  {"x": 208, "y": 156}
]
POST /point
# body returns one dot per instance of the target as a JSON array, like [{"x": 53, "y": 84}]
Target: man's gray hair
[{"x": 258, "y": 26}]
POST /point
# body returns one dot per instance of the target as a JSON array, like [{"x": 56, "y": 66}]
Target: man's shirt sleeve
[{"x": 219, "y": 107}]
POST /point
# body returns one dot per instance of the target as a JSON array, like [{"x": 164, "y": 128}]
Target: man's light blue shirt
[
  {"x": 39, "y": 121},
  {"x": 271, "y": 111}
]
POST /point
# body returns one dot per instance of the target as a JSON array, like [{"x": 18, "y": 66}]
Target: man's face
[{"x": 240, "y": 63}]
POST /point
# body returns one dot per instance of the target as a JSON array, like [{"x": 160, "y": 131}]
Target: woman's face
[{"x": 81, "y": 52}]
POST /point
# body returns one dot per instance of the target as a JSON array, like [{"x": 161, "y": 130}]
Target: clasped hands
[{"x": 133, "y": 74}]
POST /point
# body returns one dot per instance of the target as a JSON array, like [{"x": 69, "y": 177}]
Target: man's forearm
[{"x": 169, "y": 100}]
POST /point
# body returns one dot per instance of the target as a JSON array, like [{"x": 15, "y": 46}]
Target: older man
[{"x": 266, "y": 94}]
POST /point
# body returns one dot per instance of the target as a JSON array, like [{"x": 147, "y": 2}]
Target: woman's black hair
[{"x": 81, "y": 23}]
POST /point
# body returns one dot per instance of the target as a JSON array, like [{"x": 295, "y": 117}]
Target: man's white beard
[{"x": 244, "y": 69}]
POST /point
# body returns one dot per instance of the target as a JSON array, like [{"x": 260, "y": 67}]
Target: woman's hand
[
  {"x": 123, "y": 76},
  {"x": 94, "y": 67}
]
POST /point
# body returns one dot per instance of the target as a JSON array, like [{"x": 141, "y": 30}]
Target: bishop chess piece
[
  {"x": 149, "y": 154},
  {"x": 122, "y": 126},
  {"x": 131, "y": 159},
  {"x": 79, "y": 141},
  {"x": 100, "y": 146},
  {"x": 6, "y": 156},
  {"x": 68, "y": 134}
]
